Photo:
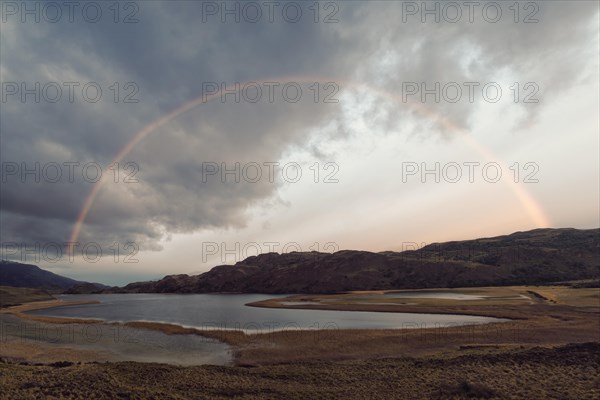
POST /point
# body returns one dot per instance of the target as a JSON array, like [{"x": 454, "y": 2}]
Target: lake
[
  {"x": 202, "y": 311},
  {"x": 117, "y": 343},
  {"x": 228, "y": 311}
]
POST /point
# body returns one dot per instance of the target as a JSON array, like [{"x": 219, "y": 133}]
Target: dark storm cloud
[{"x": 170, "y": 53}]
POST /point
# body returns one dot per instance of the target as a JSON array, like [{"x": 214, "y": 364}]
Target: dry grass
[
  {"x": 567, "y": 373},
  {"x": 498, "y": 296}
]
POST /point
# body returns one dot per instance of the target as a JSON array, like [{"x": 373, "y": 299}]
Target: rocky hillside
[{"x": 534, "y": 257}]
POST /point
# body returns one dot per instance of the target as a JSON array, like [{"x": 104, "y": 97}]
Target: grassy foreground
[{"x": 569, "y": 372}]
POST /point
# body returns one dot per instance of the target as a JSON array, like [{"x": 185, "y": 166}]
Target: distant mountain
[
  {"x": 535, "y": 257},
  {"x": 31, "y": 276},
  {"x": 86, "y": 288}
]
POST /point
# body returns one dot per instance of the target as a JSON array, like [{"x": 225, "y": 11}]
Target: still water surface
[
  {"x": 203, "y": 311},
  {"x": 228, "y": 311}
]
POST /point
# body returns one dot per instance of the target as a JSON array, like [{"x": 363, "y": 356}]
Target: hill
[
  {"x": 13, "y": 296},
  {"x": 523, "y": 258},
  {"x": 15, "y": 274}
]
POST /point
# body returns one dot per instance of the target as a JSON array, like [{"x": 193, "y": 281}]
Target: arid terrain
[
  {"x": 569, "y": 372},
  {"x": 548, "y": 348}
]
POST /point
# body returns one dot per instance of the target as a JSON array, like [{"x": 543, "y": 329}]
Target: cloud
[{"x": 171, "y": 54}]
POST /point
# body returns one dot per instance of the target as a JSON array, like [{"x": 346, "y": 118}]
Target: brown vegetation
[
  {"x": 14, "y": 296},
  {"x": 569, "y": 372}
]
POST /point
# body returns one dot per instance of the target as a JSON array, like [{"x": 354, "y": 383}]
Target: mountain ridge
[
  {"x": 526, "y": 257},
  {"x": 15, "y": 274}
]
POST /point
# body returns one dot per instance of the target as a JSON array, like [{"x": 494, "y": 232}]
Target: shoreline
[
  {"x": 20, "y": 311},
  {"x": 239, "y": 339},
  {"x": 498, "y": 304},
  {"x": 529, "y": 325},
  {"x": 386, "y": 308}
]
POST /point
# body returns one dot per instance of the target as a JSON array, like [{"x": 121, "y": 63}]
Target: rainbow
[{"x": 529, "y": 204}]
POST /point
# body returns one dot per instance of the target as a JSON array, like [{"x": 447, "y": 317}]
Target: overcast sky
[{"x": 345, "y": 125}]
